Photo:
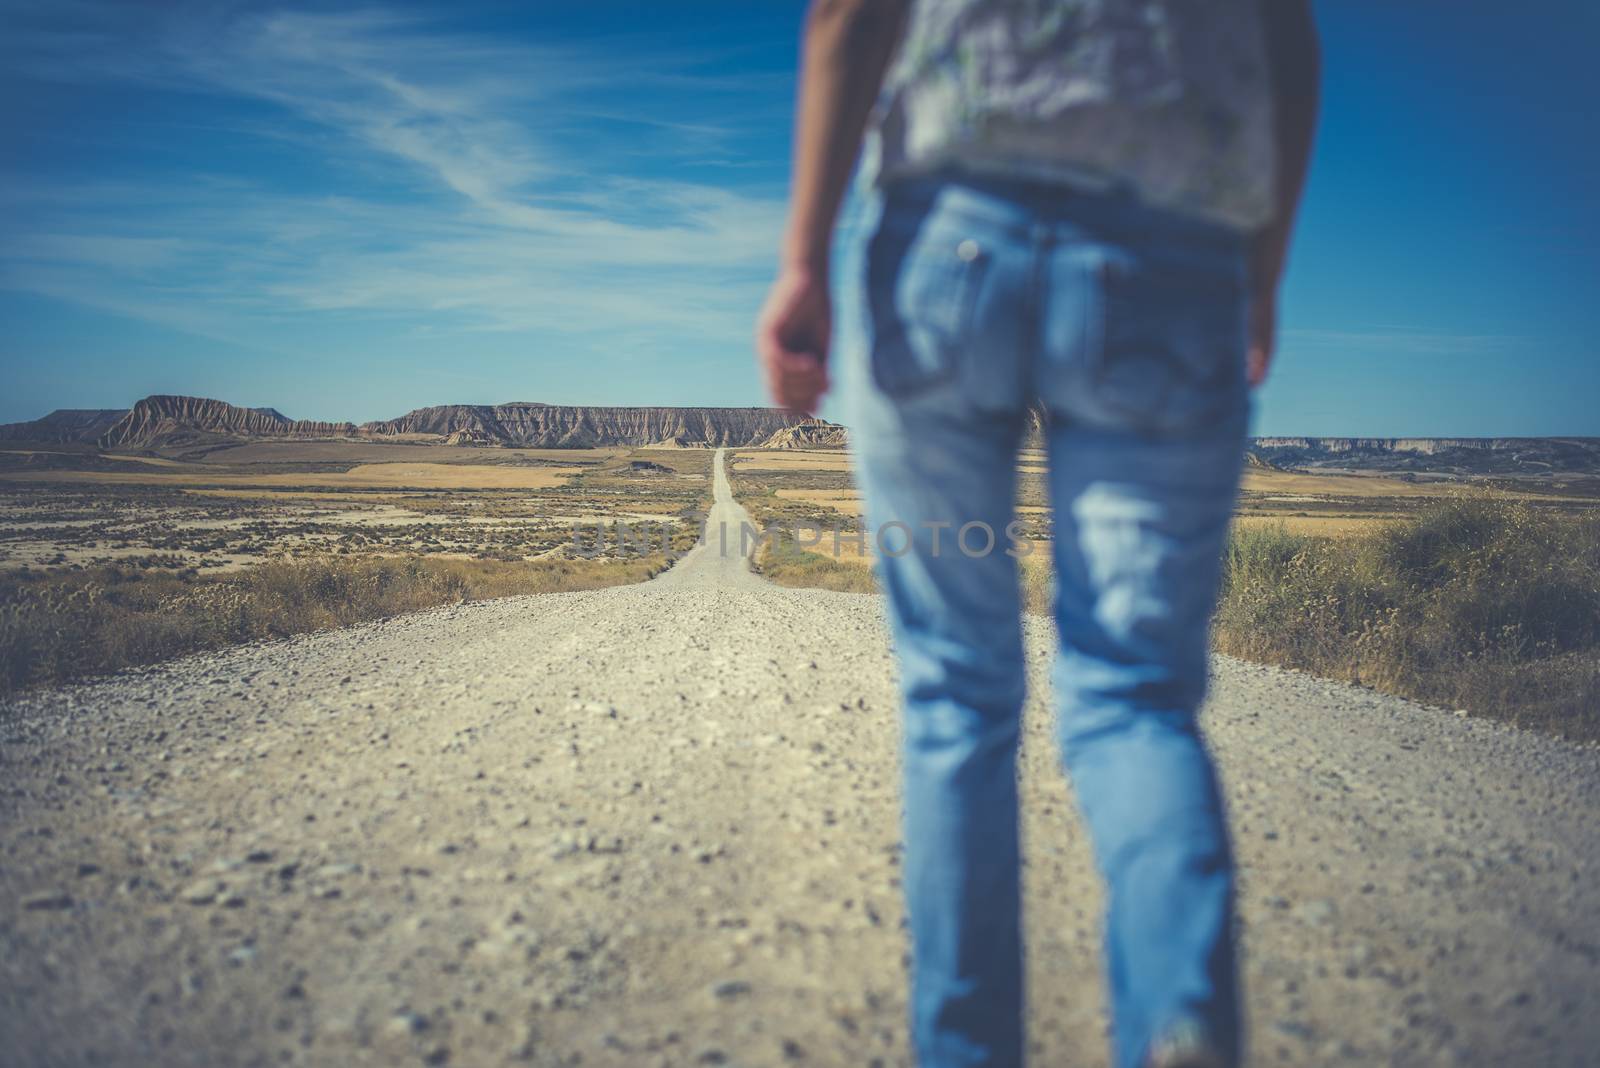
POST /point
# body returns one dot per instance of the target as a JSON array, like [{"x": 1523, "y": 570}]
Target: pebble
[
  {"x": 406, "y": 1022},
  {"x": 1316, "y": 913},
  {"x": 730, "y": 988},
  {"x": 336, "y": 870},
  {"x": 203, "y": 892}
]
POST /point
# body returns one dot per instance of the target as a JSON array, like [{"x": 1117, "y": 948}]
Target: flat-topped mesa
[
  {"x": 179, "y": 421},
  {"x": 577, "y": 426},
  {"x": 172, "y": 420}
]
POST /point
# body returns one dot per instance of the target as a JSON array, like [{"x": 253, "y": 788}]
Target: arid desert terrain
[{"x": 656, "y": 823}]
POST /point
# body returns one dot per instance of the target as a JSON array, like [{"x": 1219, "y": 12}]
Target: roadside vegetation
[
  {"x": 784, "y": 561},
  {"x": 58, "y": 625},
  {"x": 78, "y": 597},
  {"x": 1486, "y": 604},
  {"x": 1482, "y": 604},
  {"x": 781, "y": 558}
]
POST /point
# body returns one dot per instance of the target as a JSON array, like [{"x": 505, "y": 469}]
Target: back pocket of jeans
[
  {"x": 1167, "y": 339},
  {"x": 922, "y": 285}
]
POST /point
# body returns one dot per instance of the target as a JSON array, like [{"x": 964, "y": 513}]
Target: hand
[
  {"x": 1263, "y": 333},
  {"x": 792, "y": 336}
]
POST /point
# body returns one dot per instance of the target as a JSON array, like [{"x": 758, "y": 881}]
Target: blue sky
[{"x": 346, "y": 212}]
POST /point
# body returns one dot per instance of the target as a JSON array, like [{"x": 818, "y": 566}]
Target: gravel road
[{"x": 656, "y": 825}]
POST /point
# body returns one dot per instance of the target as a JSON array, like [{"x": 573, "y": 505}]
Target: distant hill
[
  {"x": 578, "y": 426},
  {"x": 1459, "y": 456},
  {"x": 175, "y": 421},
  {"x": 163, "y": 421},
  {"x": 181, "y": 422},
  {"x": 64, "y": 426}
]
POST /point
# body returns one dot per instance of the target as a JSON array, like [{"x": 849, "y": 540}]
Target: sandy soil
[
  {"x": 657, "y": 825},
  {"x": 280, "y": 452}
]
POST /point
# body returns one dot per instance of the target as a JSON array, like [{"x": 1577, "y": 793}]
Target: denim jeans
[{"x": 981, "y": 301}]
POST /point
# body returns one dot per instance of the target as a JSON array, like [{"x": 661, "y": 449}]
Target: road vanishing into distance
[{"x": 657, "y": 825}]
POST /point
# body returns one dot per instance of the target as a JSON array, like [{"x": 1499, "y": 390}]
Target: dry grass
[
  {"x": 784, "y": 562},
  {"x": 781, "y": 460},
  {"x": 847, "y": 501},
  {"x": 781, "y": 559},
  {"x": 1324, "y": 524},
  {"x": 111, "y": 561},
  {"x": 787, "y": 563},
  {"x": 453, "y": 476},
  {"x": 1323, "y": 484},
  {"x": 60, "y": 625},
  {"x": 1484, "y": 604},
  {"x": 347, "y": 452},
  {"x": 361, "y": 476},
  {"x": 1485, "y": 601}
]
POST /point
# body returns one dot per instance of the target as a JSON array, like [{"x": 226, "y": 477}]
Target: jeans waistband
[{"x": 1022, "y": 204}]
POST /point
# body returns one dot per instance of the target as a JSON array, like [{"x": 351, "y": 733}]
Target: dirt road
[{"x": 657, "y": 825}]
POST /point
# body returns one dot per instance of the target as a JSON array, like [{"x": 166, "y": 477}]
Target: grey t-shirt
[{"x": 1168, "y": 97}]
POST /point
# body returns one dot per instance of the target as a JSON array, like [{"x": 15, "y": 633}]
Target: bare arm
[
  {"x": 1294, "y": 60},
  {"x": 845, "y": 53}
]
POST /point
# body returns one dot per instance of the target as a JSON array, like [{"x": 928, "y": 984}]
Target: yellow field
[
  {"x": 793, "y": 460},
  {"x": 846, "y": 501},
  {"x": 1326, "y": 525},
  {"x": 454, "y": 476},
  {"x": 300, "y": 452},
  {"x": 1324, "y": 503},
  {"x": 361, "y": 476},
  {"x": 239, "y": 507},
  {"x": 1265, "y": 481}
]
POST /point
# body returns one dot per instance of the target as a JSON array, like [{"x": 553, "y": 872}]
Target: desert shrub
[
  {"x": 1486, "y": 604},
  {"x": 1483, "y": 604},
  {"x": 784, "y": 561},
  {"x": 59, "y": 625}
]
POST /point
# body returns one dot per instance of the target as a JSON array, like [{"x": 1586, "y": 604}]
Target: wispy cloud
[{"x": 477, "y": 197}]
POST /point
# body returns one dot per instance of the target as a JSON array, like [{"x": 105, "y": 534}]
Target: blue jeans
[{"x": 1127, "y": 326}]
